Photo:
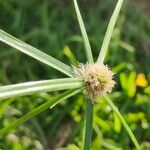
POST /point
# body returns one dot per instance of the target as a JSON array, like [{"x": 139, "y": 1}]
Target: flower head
[{"x": 98, "y": 79}]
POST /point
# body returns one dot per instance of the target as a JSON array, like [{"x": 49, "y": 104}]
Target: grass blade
[
  {"x": 109, "y": 32},
  {"x": 39, "y": 109},
  {"x": 116, "y": 111},
  {"x": 88, "y": 126},
  {"x": 28, "y": 88},
  {"x": 35, "y": 53},
  {"x": 84, "y": 34}
]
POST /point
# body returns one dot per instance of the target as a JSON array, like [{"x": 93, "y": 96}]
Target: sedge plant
[{"x": 94, "y": 79}]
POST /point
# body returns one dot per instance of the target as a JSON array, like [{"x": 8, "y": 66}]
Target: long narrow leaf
[
  {"x": 116, "y": 111},
  {"x": 84, "y": 34},
  {"x": 39, "y": 109},
  {"x": 39, "y": 86},
  {"x": 35, "y": 53},
  {"x": 109, "y": 32}
]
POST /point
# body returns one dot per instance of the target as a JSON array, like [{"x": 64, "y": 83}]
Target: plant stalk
[{"x": 88, "y": 126}]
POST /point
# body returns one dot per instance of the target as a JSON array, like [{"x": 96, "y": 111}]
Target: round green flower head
[{"x": 98, "y": 79}]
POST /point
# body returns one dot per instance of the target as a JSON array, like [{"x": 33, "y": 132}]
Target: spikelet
[{"x": 98, "y": 79}]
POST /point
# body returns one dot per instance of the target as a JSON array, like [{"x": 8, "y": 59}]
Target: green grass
[{"x": 45, "y": 29}]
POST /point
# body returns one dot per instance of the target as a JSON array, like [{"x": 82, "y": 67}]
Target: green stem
[
  {"x": 88, "y": 125},
  {"x": 115, "y": 109}
]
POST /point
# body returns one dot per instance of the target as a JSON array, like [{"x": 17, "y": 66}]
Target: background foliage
[{"x": 52, "y": 27}]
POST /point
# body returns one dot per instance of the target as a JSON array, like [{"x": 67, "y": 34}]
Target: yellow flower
[{"x": 141, "y": 80}]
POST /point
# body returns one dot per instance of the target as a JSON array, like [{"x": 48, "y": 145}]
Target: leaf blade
[
  {"x": 39, "y": 109},
  {"x": 116, "y": 111},
  {"x": 35, "y": 53},
  {"x": 109, "y": 32},
  {"x": 28, "y": 88},
  {"x": 84, "y": 33}
]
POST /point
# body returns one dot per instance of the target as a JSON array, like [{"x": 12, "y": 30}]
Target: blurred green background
[{"x": 52, "y": 27}]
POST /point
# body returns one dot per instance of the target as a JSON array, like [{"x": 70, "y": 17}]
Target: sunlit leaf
[
  {"x": 70, "y": 55},
  {"x": 117, "y": 123},
  {"x": 131, "y": 86},
  {"x": 123, "y": 80},
  {"x": 147, "y": 90}
]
